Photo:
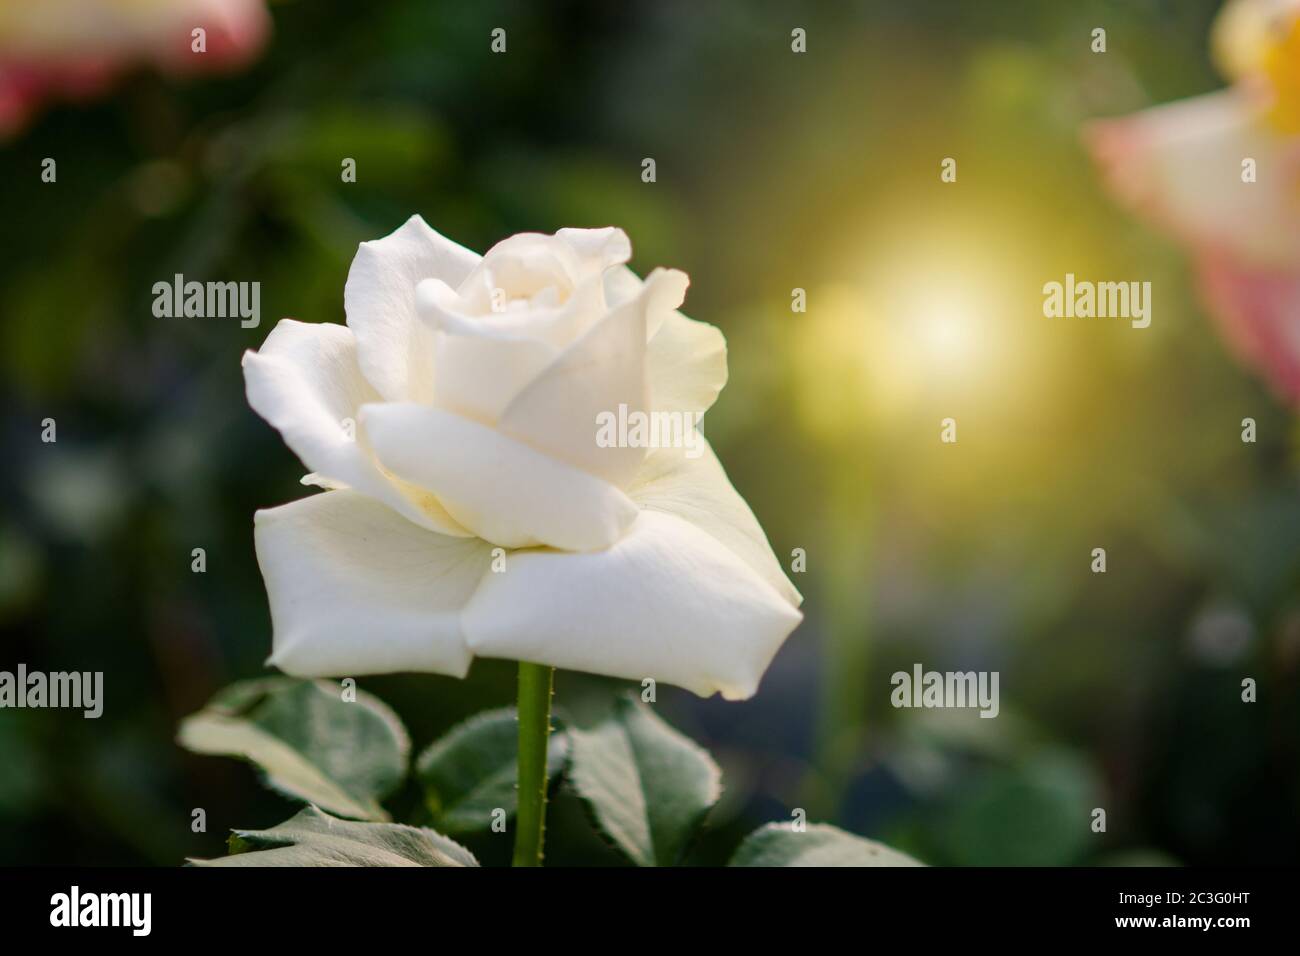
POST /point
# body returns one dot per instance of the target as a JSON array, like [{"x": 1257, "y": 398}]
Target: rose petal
[
  {"x": 1180, "y": 165},
  {"x": 1259, "y": 313},
  {"x": 686, "y": 360},
  {"x": 522, "y": 266},
  {"x": 599, "y": 249},
  {"x": 697, "y": 490},
  {"x": 528, "y": 263},
  {"x": 528, "y": 299},
  {"x": 622, "y": 284},
  {"x": 482, "y": 363},
  {"x": 305, "y": 381},
  {"x": 236, "y": 32},
  {"x": 666, "y": 602},
  {"x": 537, "y": 277},
  {"x": 315, "y": 480},
  {"x": 479, "y": 367},
  {"x": 395, "y": 348},
  {"x": 500, "y": 489},
  {"x": 603, "y": 370},
  {"x": 686, "y": 363},
  {"x": 356, "y": 589}
]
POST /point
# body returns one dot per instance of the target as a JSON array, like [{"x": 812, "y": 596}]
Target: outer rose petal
[
  {"x": 697, "y": 490},
  {"x": 305, "y": 381},
  {"x": 686, "y": 360},
  {"x": 602, "y": 370},
  {"x": 1259, "y": 312},
  {"x": 1180, "y": 165},
  {"x": 667, "y": 602},
  {"x": 502, "y": 490},
  {"x": 356, "y": 589},
  {"x": 395, "y": 348}
]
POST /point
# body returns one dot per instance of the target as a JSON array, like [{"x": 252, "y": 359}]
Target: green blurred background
[{"x": 775, "y": 171}]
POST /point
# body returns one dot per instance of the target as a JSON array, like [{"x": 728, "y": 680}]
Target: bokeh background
[{"x": 775, "y": 171}]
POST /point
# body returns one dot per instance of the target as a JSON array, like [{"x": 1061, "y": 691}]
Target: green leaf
[
  {"x": 470, "y": 772},
  {"x": 309, "y": 743},
  {"x": 647, "y": 786},
  {"x": 1022, "y": 815},
  {"x": 779, "y": 844},
  {"x": 314, "y": 838}
]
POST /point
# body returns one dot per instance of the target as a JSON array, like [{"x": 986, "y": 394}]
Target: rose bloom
[
  {"x": 471, "y": 510},
  {"x": 1180, "y": 166},
  {"x": 77, "y": 48}
]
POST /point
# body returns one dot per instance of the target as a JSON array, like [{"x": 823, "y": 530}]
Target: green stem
[
  {"x": 841, "y": 736},
  {"x": 535, "y": 684}
]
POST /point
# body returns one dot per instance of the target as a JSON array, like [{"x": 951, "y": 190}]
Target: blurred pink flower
[
  {"x": 75, "y": 49},
  {"x": 1183, "y": 167}
]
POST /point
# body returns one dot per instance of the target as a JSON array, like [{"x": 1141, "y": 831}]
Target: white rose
[{"x": 455, "y": 414}]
